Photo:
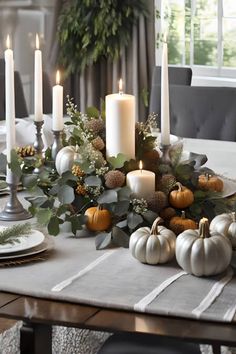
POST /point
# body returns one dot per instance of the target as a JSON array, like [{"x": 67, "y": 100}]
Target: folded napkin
[{"x": 25, "y": 132}]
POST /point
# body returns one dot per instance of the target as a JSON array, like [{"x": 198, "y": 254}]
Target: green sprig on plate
[{"x": 12, "y": 234}]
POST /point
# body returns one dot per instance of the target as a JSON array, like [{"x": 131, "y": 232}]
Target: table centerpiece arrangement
[{"x": 112, "y": 196}]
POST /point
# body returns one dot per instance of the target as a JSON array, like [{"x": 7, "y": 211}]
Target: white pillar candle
[
  {"x": 38, "y": 88},
  {"x": 120, "y": 124},
  {"x": 165, "y": 109},
  {"x": 57, "y": 105},
  {"x": 141, "y": 182},
  {"x": 9, "y": 105}
]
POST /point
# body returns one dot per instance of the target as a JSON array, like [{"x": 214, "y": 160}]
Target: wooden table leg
[
  {"x": 216, "y": 349},
  {"x": 36, "y": 339}
]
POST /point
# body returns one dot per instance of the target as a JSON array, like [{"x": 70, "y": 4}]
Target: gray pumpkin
[
  {"x": 202, "y": 253},
  {"x": 153, "y": 246},
  {"x": 225, "y": 224}
]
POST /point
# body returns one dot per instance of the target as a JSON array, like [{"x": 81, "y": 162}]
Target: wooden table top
[{"x": 50, "y": 312}]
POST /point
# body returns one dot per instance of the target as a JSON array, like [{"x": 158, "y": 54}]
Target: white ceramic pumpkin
[
  {"x": 225, "y": 224},
  {"x": 153, "y": 246},
  {"x": 65, "y": 158},
  {"x": 202, "y": 253}
]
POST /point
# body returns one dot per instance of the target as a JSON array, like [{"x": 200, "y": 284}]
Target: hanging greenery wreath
[{"x": 89, "y": 30}]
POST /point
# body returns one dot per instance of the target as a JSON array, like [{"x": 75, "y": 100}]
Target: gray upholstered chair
[
  {"x": 200, "y": 112},
  {"x": 177, "y": 76},
  {"x": 130, "y": 343},
  {"x": 20, "y": 103}
]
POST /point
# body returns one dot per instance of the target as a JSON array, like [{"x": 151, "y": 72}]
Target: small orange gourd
[
  {"x": 98, "y": 219},
  {"x": 182, "y": 197},
  {"x": 179, "y": 224},
  {"x": 210, "y": 182}
]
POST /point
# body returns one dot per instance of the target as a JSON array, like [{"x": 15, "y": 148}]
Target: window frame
[{"x": 200, "y": 70}]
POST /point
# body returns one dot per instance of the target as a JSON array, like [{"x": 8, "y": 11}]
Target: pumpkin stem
[
  {"x": 204, "y": 230},
  {"x": 183, "y": 216},
  {"x": 179, "y": 185},
  {"x": 154, "y": 229}
]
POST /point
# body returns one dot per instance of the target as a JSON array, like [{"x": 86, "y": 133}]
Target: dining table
[{"x": 74, "y": 285}]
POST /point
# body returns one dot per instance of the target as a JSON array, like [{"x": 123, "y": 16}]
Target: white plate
[
  {"x": 34, "y": 239},
  {"x": 46, "y": 245},
  {"x": 229, "y": 187}
]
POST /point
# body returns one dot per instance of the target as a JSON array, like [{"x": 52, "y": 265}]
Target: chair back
[
  {"x": 20, "y": 103},
  {"x": 177, "y": 76},
  {"x": 200, "y": 112}
]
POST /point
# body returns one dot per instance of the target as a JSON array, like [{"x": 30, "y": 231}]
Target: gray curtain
[{"x": 134, "y": 67}]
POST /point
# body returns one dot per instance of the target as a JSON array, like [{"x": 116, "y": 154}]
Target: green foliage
[
  {"x": 90, "y": 30},
  {"x": 12, "y": 234}
]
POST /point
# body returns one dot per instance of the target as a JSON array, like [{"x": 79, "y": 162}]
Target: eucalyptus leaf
[
  {"x": 103, "y": 241},
  {"x": 134, "y": 220},
  {"x": 53, "y": 226},
  {"x": 108, "y": 196},
  {"x": 44, "y": 216},
  {"x": 29, "y": 181},
  {"x": 120, "y": 238},
  {"x": 121, "y": 207},
  {"x": 118, "y": 161},
  {"x": 149, "y": 216},
  {"x": 77, "y": 222},
  {"x": 124, "y": 193},
  {"x": 85, "y": 166},
  {"x": 15, "y": 164},
  {"x": 66, "y": 194},
  {"x": 3, "y": 184},
  {"x": 92, "y": 112},
  {"x": 93, "y": 181},
  {"x": 36, "y": 201},
  {"x": 122, "y": 224},
  {"x": 3, "y": 163}
]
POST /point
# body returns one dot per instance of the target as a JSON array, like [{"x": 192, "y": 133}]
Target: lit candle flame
[
  {"x": 8, "y": 42},
  {"x": 120, "y": 86},
  {"x": 141, "y": 165},
  {"x": 37, "y": 41},
  {"x": 58, "y": 77}
]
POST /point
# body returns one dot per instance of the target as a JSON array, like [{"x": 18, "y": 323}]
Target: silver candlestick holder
[
  {"x": 57, "y": 143},
  {"x": 38, "y": 144},
  {"x": 13, "y": 210},
  {"x": 165, "y": 149}
]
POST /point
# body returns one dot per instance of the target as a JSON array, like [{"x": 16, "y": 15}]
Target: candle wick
[{"x": 120, "y": 92}]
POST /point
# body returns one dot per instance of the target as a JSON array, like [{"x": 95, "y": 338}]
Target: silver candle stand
[
  {"x": 13, "y": 210},
  {"x": 165, "y": 149},
  {"x": 57, "y": 143},
  {"x": 38, "y": 144}
]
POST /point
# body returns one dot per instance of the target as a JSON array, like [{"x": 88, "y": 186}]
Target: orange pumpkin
[
  {"x": 182, "y": 197},
  {"x": 179, "y": 224},
  {"x": 209, "y": 182},
  {"x": 98, "y": 219}
]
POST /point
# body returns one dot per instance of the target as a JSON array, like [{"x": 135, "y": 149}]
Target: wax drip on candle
[
  {"x": 120, "y": 87},
  {"x": 141, "y": 166}
]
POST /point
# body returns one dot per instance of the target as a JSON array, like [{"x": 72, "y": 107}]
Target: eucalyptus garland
[
  {"x": 89, "y": 30},
  {"x": 93, "y": 181}
]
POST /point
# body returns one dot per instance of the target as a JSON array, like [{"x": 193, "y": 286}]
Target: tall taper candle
[
  {"x": 120, "y": 124},
  {"x": 57, "y": 105},
  {"x": 38, "y": 88},
  {"x": 9, "y": 104},
  {"x": 165, "y": 109}
]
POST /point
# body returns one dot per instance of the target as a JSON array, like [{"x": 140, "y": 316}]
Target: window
[{"x": 202, "y": 34}]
